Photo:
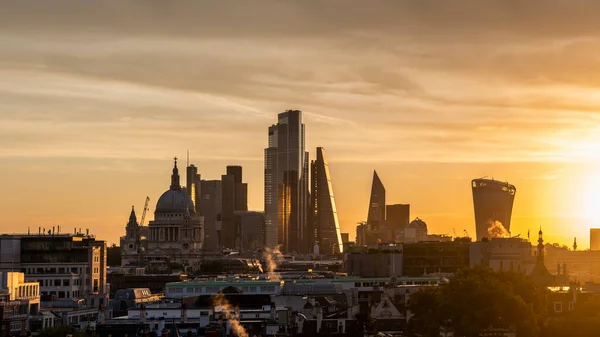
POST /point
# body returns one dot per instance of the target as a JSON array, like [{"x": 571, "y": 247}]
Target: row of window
[
  {"x": 61, "y": 270},
  {"x": 63, "y": 294},
  {"x": 59, "y": 282},
  {"x": 212, "y": 290}
]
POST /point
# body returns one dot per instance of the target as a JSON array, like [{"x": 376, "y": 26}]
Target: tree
[{"x": 475, "y": 300}]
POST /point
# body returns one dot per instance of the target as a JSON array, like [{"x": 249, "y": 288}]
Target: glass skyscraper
[
  {"x": 286, "y": 184},
  {"x": 493, "y": 202},
  {"x": 325, "y": 227}
]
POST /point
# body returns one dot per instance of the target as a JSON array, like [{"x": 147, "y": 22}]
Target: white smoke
[
  {"x": 270, "y": 256},
  {"x": 220, "y": 301},
  {"x": 497, "y": 230}
]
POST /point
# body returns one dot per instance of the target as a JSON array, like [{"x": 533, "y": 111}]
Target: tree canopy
[{"x": 475, "y": 300}]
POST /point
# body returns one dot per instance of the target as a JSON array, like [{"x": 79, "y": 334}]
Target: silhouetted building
[
  {"x": 210, "y": 209},
  {"x": 422, "y": 258},
  {"x": 175, "y": 234},
  {"x": 286, "y": 184},
  {"x": 345, "y": 237},
  {"x": 493, "y": 202},
  {"x": 416, "y": 231},
  {"x": 383, "y": 262},
  {"x": 397, "y": 219},
  {"x": 250, "y": 228},
  {"x": 325, "y": 225},
  {"x": 376, "y": 215},
  {"x": 361, "y": 235},
  {"x": 235, "y": 198},
  {"x": 241, "y": 188},
  {"x": 594, "y": 238},
  {"x": 193, "y": 186}
]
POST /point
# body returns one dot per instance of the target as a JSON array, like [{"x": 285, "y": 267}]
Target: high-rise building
[
  {"x": 493, "y": 203},
  {"x": 361, "y": 235},
  {"x": 249, "y": 230},
  {"x": 376, "y": 215},
  {"x": 397, "y": 219},
  {"x": 325, "y": 227},
  {"x": 235, "y": 198},
  {"x": 345, "y": 238},
  {"x": 594, "y": 238},
  {"x": 193, "y": 185},
  {"x": 286, "y": 184},
  {"x": 210, "y": 209}
]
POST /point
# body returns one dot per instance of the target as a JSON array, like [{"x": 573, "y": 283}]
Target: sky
[{"x": 97, "y": 97}]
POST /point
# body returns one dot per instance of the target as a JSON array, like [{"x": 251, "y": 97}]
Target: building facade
[
  {"x": 250, "y": 228},
  {"x": 325, "y": 226},
  {"x": 376, "y": 213},
  {"x": 493, "y": 203},
  {"x": 594, "y": 238},
  {"x": 397, "y": 219},
  {"x": 286, "y": 184},
  {"x": 66, "y": 266},
  {"x": 175, "y": 234},
  {"x": 234, "y": 198}
]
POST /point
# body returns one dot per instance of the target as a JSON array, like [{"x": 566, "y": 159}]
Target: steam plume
[
  {"x": 219, "y": 300},
  {"x": 270, "y": 260},
  {"x": 497, "y": 230}
]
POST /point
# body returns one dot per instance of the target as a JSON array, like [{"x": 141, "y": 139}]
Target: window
[
  {"x": 571, "y": 306},
  {"x": 557, "y": 306},
  {"x": 66, "y": 283},
  {"x": 57, "y": 282}
]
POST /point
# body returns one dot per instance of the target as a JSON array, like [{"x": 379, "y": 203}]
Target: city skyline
[{"x": 94, "y": 105}]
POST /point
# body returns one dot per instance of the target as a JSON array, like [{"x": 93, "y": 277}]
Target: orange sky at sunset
[{"x": 96, "y": 97}]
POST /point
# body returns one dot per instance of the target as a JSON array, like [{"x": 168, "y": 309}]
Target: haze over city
[{"x": 97, "y": 97}]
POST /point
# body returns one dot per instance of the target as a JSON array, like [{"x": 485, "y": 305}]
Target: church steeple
[
  {"x": 540, "y": 248},
  {"x": 175, "y": 184}
]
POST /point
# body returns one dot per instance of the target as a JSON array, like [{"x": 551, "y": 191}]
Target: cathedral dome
[{"x": 175, "y": 200}]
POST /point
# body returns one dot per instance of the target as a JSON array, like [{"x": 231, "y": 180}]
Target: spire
[
  {"x": 132, "y": 215},
  {"x": 175, "y": 185},
  {"x": 540, "y": 249}
]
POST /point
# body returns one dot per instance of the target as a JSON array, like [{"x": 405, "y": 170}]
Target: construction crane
[
  {"x": 138, "y": 237},
  {"x": 454, "y": 232}
]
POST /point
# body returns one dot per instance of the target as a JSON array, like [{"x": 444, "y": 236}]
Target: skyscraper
[
  {"x": 235, "y": 198},
  {"x": 376, "y": 215},
  {"x": 286, "y": 184},
  {"x": 493, "y": 203},
  {"x": 210, "y": 209},
  {"x": 397, "y": 219},
  {"x": 594, "y": 238},
  {"x": 193, "y": 182},
  {"x": 325, "y": 225}
]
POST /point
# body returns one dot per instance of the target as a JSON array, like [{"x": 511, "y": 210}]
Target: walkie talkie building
[{"x": 493, "y": 202}]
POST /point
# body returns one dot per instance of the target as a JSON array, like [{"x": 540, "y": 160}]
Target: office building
[
  {"x": 376, "y": 214},
  {"x": 210, "y": 209},
  {"x": 493, "y": 203},
  {"x": 361, "y": 235},
  {"x": 594, "y": 238},
  {"x": 397, "y": 219},
  {"x": 234, "y": 198},
  {"x": 193, "y": 186},
  {"x": 286, "y": 184},
  {"x": 345, "y": 238},
  {"x": 23, "y": 298},
  {"x": 325, "y": 227},
  {"x": 66, "y": 266},
  {"x": 250, "y": 228},
  {"x": 175, "y": 234},
  {"x": 423, "y": 258},
  {"x": 383, "y": 262}
]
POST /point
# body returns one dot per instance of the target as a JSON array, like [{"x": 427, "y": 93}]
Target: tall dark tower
[
  {"x": 286, "y": 184},
  {"x": 492, "y": 201},
  {"x": 193, "y": 182},
  {"x": 376, "y": 215},
  {"x": 325, "y": 225},
  {"x": 234, "y": 198}
]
